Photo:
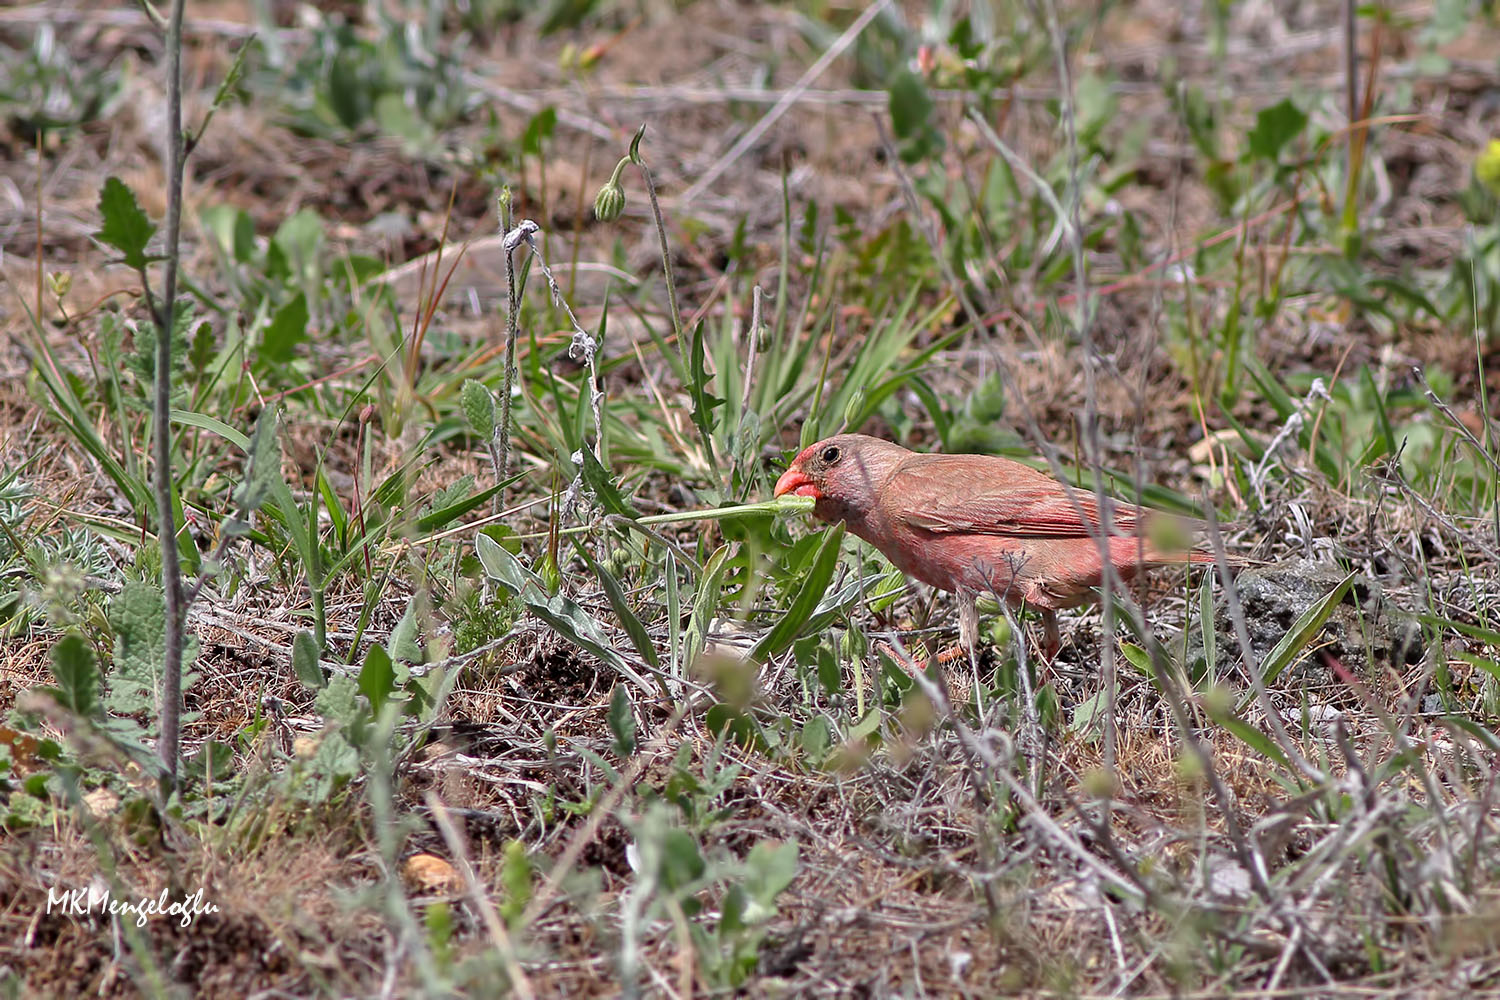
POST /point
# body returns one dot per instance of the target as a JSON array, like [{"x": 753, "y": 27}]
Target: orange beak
[{"x": 795, "y": 482}]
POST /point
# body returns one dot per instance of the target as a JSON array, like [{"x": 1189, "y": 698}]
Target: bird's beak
[{"x": 795, "y": 482}]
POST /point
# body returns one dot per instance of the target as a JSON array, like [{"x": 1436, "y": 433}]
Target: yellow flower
[{"x": 1487, "y": 167}]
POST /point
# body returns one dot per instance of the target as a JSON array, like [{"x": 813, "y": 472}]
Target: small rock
[
  {"x": 1365, "y": 632},
  {"x": 430, "y": 873}
]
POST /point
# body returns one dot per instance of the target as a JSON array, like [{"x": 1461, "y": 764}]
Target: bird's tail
[{"x": 1147, "y": 554}]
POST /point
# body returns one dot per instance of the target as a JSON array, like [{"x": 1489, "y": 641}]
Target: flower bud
[
  {"x": 853, "y": 407},
  {"x": 589, "y": 57},
  {"x": 610, "y": 201}
]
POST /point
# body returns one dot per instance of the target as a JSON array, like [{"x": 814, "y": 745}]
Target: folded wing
[{"x": 989, "y": 495}]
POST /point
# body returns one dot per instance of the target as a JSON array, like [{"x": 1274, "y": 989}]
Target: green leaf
[
  {"x": 1207, "y": 627},
  {"x": 213, "y": 425},
  {"x": 621, "y": 721},
  {"x": 769, "y": 869},
  {"x": 443, "y": 516},
  {"x": 578, "y": 627},
  {"x": 139, "y": 618},
  {"x": 395, "y": 117},
  {"x": 1095, "y": 104},
  {"x": 1255, "y": 740},
  {"x": 1274, "y": 128},
  {"x": 602, "y": 483},
  {"x": 734, "y": 913},
  {"x": 1088, "y": 710},
  {"x": 1485, "y": 635},
  {"x": 377, "y": 678},
  {"x": 500, "y": 563},
  {"x": 829, "y": 674},
  {"x": 305, "y": 661},
  {"x": 1198, "y": 115},
  {"x": 866, "y": 727},
  {"x": 824, "y": 562},
  {"x": 911, "y": 105},
  {"x": 78, "y": 678},
  {"x": 213, "y": 761},
  {"x": 1139, "y": 658},
  {"x": 516, "y": 875},
  {"x": 561, "y": 14},
  {"x": 1285, "y": 652},
  {"x": 478, "y": 404},
  {"x": 674, "y": 615},
  {"x": 403, "y": 644},
  {"x": 126, "y": 227},
  {"x": 333, "y": 763},
  {"x": 816, "y": 737},
  {"x": 538, "y": 130},
  {"x": 567, "y": 618},
  {"x": 1382, "y": 419},
  {"x": 639, "y": 637},
  {"x": 336, "y": 513},
  {"x": 300, "y": 242},
  {"x": 232, "y": 229},
  {"x": 78, "y": 420},
  {"x": 681, "y": 861},
  {"x": 706, "y": 596},
  {"x": 287, "y": 329},
  {"x": 348, "y": 92},
  {"x": 704, "y": 402},
  {"x": 1475, "y": 730},
  {"x": 504, "y": 536},
  {"x": 338, "y": 700}
]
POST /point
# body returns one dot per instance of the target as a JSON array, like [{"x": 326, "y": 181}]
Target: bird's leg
[
  {"x": 968, "y": 634},
  {"x": 918, "y": 657},
  {"x": 968, "y": 622},
  {"x": 968, "y": 631},
  {"x": 1052, "y": 638}
]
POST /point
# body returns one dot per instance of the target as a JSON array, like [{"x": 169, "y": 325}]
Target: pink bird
[{"x": 976, "y": 524}]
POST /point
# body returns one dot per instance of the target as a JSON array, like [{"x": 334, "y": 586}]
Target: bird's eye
[{"x": 830, "y": 454}]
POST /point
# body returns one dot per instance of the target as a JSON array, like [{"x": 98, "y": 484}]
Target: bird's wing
[{"x": 988, "y": 495}]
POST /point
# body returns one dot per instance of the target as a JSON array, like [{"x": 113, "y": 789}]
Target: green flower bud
[
  {"x": 852, "y": 408},
  {"x": 610, "y": 201},
  {"x": 550, "y": 573}
]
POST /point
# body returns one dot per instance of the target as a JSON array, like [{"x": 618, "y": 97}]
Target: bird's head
[{"x": 843, "y": 474}]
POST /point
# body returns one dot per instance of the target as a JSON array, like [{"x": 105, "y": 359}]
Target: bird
[{"x": 978, "y": 524}]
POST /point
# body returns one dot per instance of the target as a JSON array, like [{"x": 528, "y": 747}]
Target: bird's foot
[
  {"x": 912, "y": 659},
  {"x": 952, "y": 653}
]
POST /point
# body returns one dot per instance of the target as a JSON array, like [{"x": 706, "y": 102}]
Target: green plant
[
  {"x": 46, "y": 89},
  {"x": 400, "y": 82},
  {"x": 673, "y": 872}
]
